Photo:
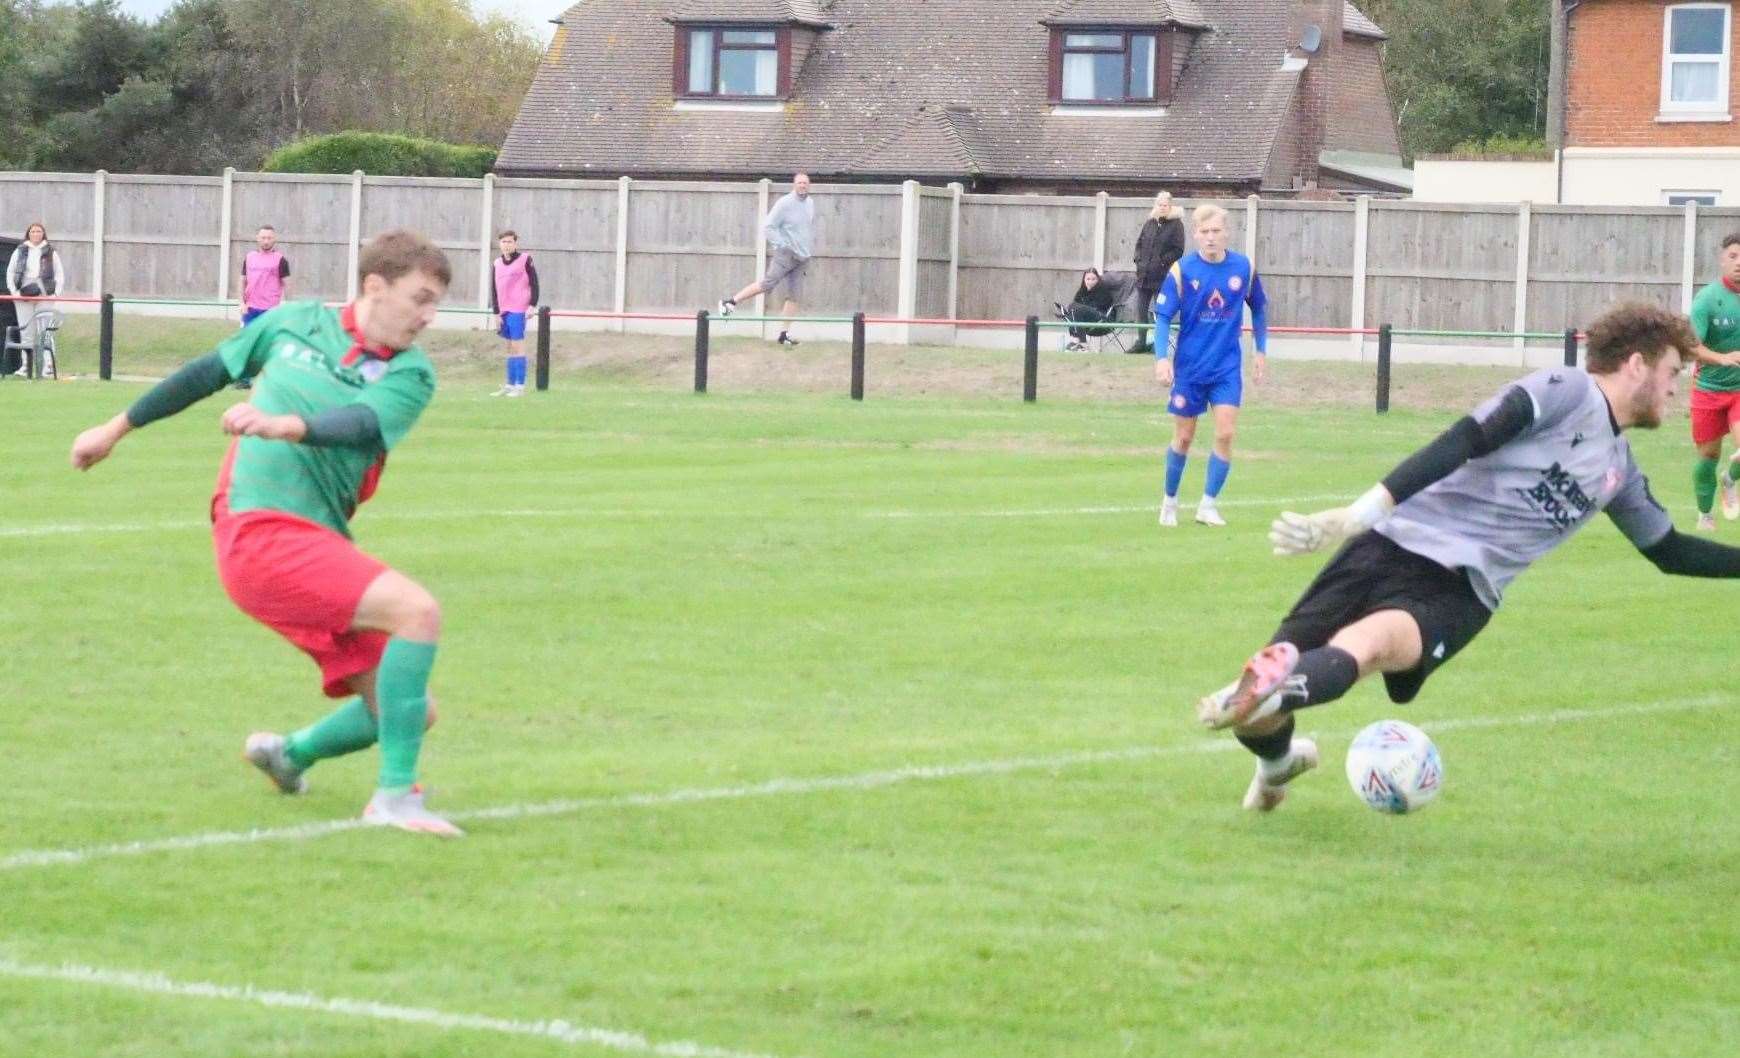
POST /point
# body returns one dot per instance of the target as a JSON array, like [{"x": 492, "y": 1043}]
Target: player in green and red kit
[
  {"x": 1716, "y": 386},
  {"x": 333, "y": 392}
]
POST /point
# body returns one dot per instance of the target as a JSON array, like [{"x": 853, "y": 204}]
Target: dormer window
[
  {"x": 1110, "y": 67},
  {"x": 731, "y": 62}
]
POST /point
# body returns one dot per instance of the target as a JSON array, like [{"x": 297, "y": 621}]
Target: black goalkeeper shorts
[{"x": 1371, "y": 572}]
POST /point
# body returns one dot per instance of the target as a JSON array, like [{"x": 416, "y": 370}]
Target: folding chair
[
  {"x": 36, "y": 357},
  {"x": 1123, "y": 288}
]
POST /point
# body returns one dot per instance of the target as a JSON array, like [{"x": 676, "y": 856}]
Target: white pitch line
[
  {"x": 507, "y": 515},
  {"x": 34, "y": 858},
  {"x": 556, "y": 1030}
]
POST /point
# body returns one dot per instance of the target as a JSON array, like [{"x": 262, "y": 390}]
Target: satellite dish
[{"x": 1311, "y": 39}]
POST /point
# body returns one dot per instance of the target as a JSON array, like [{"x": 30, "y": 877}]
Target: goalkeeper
[{"x": 1431, "y": 549}]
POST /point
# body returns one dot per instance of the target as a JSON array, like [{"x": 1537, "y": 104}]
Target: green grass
[{"x": 712, "y": 593}]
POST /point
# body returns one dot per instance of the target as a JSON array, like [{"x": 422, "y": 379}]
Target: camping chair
[
  {"x": 1123, "y": 310},
  {"x": 37, "y": 355}
]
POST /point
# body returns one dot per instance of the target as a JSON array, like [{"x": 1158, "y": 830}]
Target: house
[
  {"x": 1649, "y": 104},
  {"x": 1222, "y": 97},
  {"x": 1641, "y": 113}
]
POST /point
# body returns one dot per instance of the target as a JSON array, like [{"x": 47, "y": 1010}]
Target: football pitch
[{"x": 789, "y": 727}]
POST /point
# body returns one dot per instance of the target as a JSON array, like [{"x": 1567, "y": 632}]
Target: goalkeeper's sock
[
  {"x": 1218, "y": 469},
  {"x": 1704, "y": 484},
  {"x": 346, "y": 729},
  {"x": 1322, "y": 676},
  {"x": 1272, "y": 746},
  {"x": 402, "y": 687},
  {"x": 1174, "y": 471}
]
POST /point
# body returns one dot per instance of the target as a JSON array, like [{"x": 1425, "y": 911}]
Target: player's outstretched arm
[
  {"x": 193, "y": 382},
  {"x": 352, "y": 426},
  {"x": 1469, "y": 438},
  {"x": 1692, "y": 556}
]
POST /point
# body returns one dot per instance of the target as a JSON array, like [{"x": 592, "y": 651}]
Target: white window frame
[
  {"x": 1719, "y": 106},
  {"x": 1668, "y": 195}
]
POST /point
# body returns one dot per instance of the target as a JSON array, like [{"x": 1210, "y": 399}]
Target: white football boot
[
  {"x": 1269, "y": 785},
  {"x": 1169, "y": 512},
  {"x": 406, "y": 812},
  {"x": 265, "y": 751}
]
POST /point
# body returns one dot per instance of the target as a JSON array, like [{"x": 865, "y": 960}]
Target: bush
[
  {"x": 380, "y": 154},
  {"x": 1502, "y": 148}
]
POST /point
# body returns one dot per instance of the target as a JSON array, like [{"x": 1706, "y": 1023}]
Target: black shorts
[{"x": 1372, "y": 573}]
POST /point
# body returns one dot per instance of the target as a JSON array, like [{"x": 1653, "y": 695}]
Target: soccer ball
[{"x": 1394, "y": 767}]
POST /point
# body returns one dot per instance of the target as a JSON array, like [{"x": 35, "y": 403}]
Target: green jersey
[
  {"x": 305, "y": 361},
  {"x": 1716, "y": 320}
]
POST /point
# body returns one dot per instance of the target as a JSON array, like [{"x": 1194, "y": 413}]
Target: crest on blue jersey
[{"x": 1234, "y": 283}]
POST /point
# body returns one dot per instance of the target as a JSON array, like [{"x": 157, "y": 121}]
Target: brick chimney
[{"x": 1317, "y": 84}]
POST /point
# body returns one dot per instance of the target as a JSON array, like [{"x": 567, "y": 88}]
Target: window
[
  {"x": 1690, "y": 198},
  {"x": 1695, "y": 56},
  {"x": 1117, "y": 66},
  {"x": 732, "y": 63}
]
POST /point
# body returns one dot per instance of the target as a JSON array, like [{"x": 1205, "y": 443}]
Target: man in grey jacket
[{"x": 790, "y": 229}]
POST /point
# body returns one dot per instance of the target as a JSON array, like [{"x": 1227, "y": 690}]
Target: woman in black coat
[
  {"x": 1158, "y": 248},
  {"x": 1092, "y": 303}
]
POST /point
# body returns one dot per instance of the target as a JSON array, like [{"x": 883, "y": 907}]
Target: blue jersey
[{"x": 1209, "y": 299}]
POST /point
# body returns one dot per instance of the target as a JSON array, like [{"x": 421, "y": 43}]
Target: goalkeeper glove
[{"x": 1299, "y": 534}]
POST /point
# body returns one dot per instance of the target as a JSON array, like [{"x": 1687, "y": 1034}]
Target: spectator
[
  {"x": 511, "y": 295},
  {"x": 790, "y": 228},
  {"x": 35, "y": 271},
  {"x": 265, "y": 275},
  {"x": 1092, "y": 304},
  {"x": 1158, "y": 248}
]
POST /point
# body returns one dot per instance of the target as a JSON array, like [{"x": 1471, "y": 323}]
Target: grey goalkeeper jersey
[{"x": 1498, "y": 514}]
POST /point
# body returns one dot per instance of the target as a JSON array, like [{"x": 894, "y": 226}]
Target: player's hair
[
  {"x": 267, "y": 227},
  {"x": 1731, "y": 239},
  {"x": 509, "y": 233},
  {"x": 399, "y": 252},
  {"x": 1637, "y": 327},
  {"x": 1206, "y": 212}
]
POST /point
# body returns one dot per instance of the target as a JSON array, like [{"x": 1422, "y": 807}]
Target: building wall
[
  {"x": 1613, "y": 81},
  {"x": 1361, "y": 117},
  {"x": 1445, "y": 180},
  {"x": 1639, "y": 176}
]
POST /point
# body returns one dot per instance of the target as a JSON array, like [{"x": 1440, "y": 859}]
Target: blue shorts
[
  {"x": 1191, "y": 397},
  {"x": 250, "y": 315},
  {"x": 513, "y": 326}
]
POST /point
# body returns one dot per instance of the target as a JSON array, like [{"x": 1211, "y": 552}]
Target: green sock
[
  {"x": 402, "y": 693},
  {"x": 346, "y": 729},
  {"x": 1704, "y": 484},
  {"x": 1728, "y": 476}
]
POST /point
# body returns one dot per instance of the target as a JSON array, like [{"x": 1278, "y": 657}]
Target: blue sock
[
  {"x": 517, "y": 370},
  {"x": 1174, "y": 471},
  {"x": 1218, "y": 469},
  {"x": 509, "y": 364}
]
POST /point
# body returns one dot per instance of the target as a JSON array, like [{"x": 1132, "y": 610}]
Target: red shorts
[
  {"x": 1713, "y": 414},
  {"x": 303, "y": 581}
]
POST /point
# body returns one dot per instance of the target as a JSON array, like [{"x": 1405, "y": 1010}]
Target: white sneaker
[
  {"x": 1256, "y": 694},
  {"x": 1208, "y": 514},
  {"x": 406, "y": 812},
  {"x": 1706, "y": 523},
  {"x": 1269, "y": 785},
  {"x": 726, "y": 308},
  {"x": 516, "y": 391},
  {"x": 505, "y": 391},
  {"x": 265, "y": 751},
  {"x": 1169, "y": 512}
]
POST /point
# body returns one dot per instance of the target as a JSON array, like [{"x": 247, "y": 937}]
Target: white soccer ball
[{"x": 1394, "y": 767}]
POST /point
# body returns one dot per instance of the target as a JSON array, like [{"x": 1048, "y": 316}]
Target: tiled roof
[
  {"x": 1127, "y": 13},
  {"x": 899, "y": 89},
  {"x": 803, "y": 12},
  {"x": 1353, "y": 20}
]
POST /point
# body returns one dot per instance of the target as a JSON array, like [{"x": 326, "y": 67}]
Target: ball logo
[{"x": 1234, "y": 284}]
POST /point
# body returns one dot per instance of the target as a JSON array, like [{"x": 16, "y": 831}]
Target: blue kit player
[{"x": 1207, "y": 291}]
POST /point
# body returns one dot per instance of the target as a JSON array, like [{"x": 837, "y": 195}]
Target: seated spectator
[{"x": 1092, "y": 304}]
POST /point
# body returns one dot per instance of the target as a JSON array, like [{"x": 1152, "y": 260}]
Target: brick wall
[
  {"x": 1361, "y": 118},
  {"x": 1613, "y": 81}
]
